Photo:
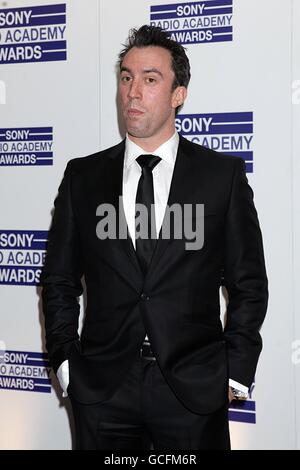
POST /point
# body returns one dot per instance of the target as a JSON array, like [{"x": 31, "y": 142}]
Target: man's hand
[{"x": 230, "y": 395}]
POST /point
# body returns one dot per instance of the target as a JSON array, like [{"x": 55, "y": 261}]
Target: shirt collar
[{"x": 167, "y": 151}]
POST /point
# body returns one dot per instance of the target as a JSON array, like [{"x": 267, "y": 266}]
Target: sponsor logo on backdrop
[
  {"x": 230, "y": 133},
  {"x": 243, "y": 411},
  {"x": 26, "y": 146},
  {"x": 22, "y": 255},
  {"x": 25, "y": 371},
  {"x": 195, "y": 22},
  {"x": 33, "y": 34}
]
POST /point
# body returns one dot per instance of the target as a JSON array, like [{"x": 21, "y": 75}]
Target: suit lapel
[
  {"x": 182, "y": 176},
  {"x": 181, "y": 184}
]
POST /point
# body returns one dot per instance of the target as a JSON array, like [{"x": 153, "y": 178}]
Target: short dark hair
[{"x": 155, "y": 36}]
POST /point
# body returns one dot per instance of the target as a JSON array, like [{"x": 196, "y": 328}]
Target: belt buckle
[{"x": 147, "y": 349}]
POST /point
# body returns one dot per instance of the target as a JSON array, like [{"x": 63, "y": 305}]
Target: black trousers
[{"x": 144, "y": 413}]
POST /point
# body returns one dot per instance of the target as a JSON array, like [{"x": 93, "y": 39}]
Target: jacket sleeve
[
  {"x": 61, "y": 277},
  {"x": 245, "y": 280}
]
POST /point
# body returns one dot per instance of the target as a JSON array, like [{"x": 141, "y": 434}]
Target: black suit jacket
[{"x": 180, "y": 308}]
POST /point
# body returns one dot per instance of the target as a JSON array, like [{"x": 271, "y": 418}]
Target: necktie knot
[{"x": 147, "y": 161}]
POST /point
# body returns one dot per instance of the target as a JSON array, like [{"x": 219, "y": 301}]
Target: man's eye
[
  {"x": 150, "y": 80},
  {"x": 125, "y": 78}
]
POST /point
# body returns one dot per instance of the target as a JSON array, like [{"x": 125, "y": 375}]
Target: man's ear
[{"x": 179, "y": 96}]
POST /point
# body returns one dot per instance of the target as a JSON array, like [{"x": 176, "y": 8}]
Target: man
[{"x": 153, "y": 365}]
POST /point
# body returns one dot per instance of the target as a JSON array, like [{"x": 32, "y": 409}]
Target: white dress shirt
[{"x": 162, "y": 177}]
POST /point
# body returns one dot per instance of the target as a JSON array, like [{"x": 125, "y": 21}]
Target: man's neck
[{"x": 150, "y": 144}]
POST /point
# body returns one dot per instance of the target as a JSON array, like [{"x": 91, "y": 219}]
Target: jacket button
[{"x": 144, "y": 296}]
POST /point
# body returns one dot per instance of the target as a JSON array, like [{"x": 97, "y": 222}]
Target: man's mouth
[{"x": 133, "y": 112}]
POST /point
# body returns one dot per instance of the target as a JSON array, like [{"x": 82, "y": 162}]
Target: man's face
[{"x": 145, "y": 89}]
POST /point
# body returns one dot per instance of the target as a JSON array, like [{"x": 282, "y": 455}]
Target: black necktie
[{"x": 145, "y": 196}]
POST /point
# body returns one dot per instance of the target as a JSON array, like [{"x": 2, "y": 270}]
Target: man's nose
[{"x": 135, "y": 90}]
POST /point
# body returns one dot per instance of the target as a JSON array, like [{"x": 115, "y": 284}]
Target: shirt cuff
[
  {"x": 238, "y": 386},
  {"x": 63, "y": 377}
]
